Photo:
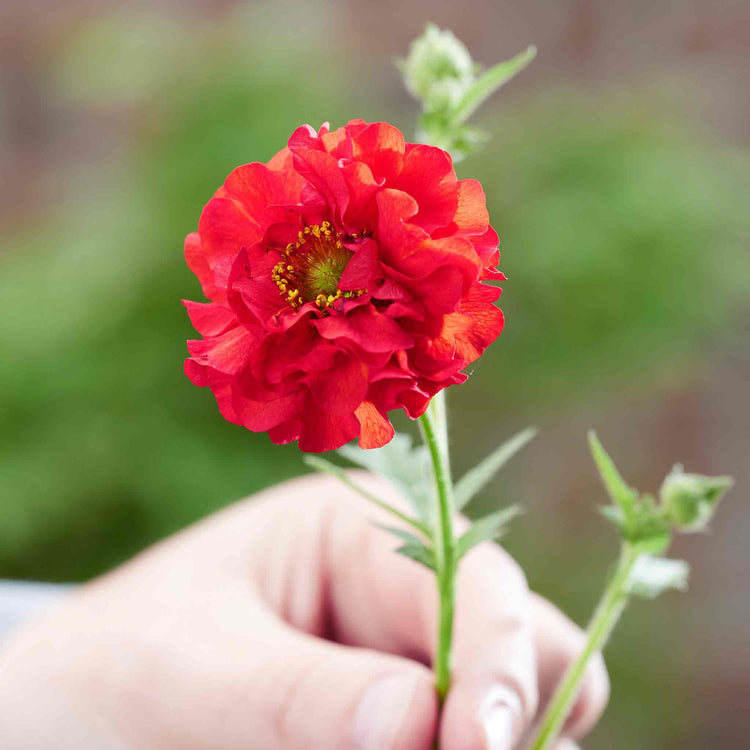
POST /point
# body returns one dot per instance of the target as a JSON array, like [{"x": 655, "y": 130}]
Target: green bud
[
  {"x": 689, "y": 500},
  {"x": 438, "y": 70}
]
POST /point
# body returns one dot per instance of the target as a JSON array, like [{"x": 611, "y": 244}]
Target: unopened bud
[
  {"x": 690, "y": 500},
  {"x": 438, "y": 69}
]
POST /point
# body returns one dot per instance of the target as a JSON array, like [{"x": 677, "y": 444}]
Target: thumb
[{"x": 315, "y": 694}]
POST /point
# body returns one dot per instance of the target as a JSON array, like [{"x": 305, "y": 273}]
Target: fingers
[
  {"x": 382, "y": 600},
  {"x": 494, "y": 693},
  {"x": 325, "y": 567},
  {"x": 558, "y": 643},
  {"x": 301, "y": 691}
]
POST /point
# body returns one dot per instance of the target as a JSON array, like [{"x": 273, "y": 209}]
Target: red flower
[{"x": 345, "y": 279}]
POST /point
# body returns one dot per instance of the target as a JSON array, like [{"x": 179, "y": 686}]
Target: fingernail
[
  {"x": 498, "y": 714},
  {"x": 382, "y": 712}
]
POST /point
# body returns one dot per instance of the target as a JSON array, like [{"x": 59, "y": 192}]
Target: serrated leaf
[
  {"x": 405, "y": 466},
  {"x": 652, "y": 576},
  {"x": 486, "y": 529},
  {"x": 488, "y": 83},
  {"x": 478, "y": 477},
  {"x": 419, "y": 553},
  {"x": 321, "y": 464},
  {"x": 402, "y": 534},
  {"x": 619, "y": 492}
]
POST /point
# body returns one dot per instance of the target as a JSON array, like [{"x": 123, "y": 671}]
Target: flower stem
[
  {"x": 606, "y": 615},
  {"x": 434, "y": 429}
]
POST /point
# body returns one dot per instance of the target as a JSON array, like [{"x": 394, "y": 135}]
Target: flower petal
[{"x": 375, "y": 428}]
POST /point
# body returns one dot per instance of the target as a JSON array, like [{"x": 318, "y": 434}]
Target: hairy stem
[
  {"x": 606, "y": 615},
  {"x": 434, "y": 429}
]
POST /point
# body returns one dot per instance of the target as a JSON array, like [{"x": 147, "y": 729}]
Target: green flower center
[{"x": 310, "y": 268}]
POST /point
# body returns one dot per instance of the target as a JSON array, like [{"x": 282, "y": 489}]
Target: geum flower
[{"x": 346, "y": 280}]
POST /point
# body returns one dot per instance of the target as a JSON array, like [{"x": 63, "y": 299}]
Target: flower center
[{"x": 310, "y": 268}]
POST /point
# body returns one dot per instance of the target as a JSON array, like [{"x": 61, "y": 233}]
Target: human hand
[{"x": 287, "y": 622}]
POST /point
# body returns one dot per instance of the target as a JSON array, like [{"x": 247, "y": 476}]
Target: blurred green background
[{"x": 617, "y": 177}]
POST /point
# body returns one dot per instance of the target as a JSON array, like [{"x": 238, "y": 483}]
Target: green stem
[
  {"x": 435, "y": 432},
  {"x": 605, "y": 618}
]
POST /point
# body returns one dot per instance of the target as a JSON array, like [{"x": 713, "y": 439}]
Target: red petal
[
  {"x": 471, "y": 216},
  {"x": 282, "y": 160},
  {"x": 260, "y": 416},
  {"x": 381, "y": 147},
  {"x": 394, "y": 237},
  {"x": 428, "y": 176},
  {"x": 369, "y": 329},
  {"x": 197, "y": 261},
  {"x": 227, "y": 353},
  {"x": 321, "y": 431},
  {"x": 258, "y": 187},
  {"x": 341, "y": 389},
  {"x": 322, "y": 171},
  {"x": 361, "y": 267},
  {"x": 225, "y": 227},
  {"x": 285, "y": 433},
  {"x": 376, "y": 429},
  {"x": 209, "y": 319}
]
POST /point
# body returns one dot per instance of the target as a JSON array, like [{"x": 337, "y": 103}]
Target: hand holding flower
[{"x": 216, "y": 638}]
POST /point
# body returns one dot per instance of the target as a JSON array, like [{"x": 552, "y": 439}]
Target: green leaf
[
  {"x": 489, "y": 528},
  {"x": 621, "y": 495},
  {"x": 614, "y": 514},
  {"x": 488, "y": 83},
  {"x": 407, "y": 467},
  {"x": 322, "y": 465},
  {"x": 419, "y": 553},
  {"x": 653, "y": 575},
  {"x": 478, "y": 477},
  {"x": 402, "y": 534}
]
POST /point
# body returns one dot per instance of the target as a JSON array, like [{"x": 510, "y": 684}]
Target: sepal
[
  {"x": 623, "y": 496},
  {"x": 638, "y": 519},
  {"x": 652, "y": 576}
]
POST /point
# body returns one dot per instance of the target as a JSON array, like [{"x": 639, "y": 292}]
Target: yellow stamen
[{"x": 311, "y": 267}]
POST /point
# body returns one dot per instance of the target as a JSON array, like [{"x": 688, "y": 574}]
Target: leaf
[
  {"x": 414, "y": 548},
  {"x": 486, "y": 529},
  {"x": 402, "y": 534},
  {"x": 419, "y": 553},
  {"x": 478, "y": 477},
  {"x": 322, "y": 465},
  {"x": 653, "y": 575},
  {"x": 621, "y": 495},
  {"x": 488, "y": 83},
  {"x": 614, "y": 514},
  {"x": 407, "y": 467}
]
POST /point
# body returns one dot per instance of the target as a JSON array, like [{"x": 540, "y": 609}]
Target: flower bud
[
  {"x": 438, "y": 69},
  {"x": 690, "y": 500}
]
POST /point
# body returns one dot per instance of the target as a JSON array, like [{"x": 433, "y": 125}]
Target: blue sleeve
[{"x": 19, "y": 600}]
